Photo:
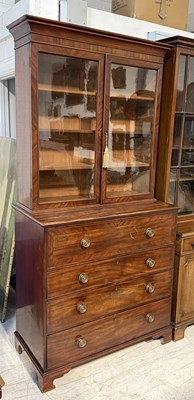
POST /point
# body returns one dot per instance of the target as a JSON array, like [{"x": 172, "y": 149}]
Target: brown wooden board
[{"x": 7, "y": 197}]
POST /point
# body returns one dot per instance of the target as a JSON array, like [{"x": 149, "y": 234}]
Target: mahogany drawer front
[
  {"x": 188, "y": 245},
  {"x": 108, "y": 239},
  {"x": 64, "y": 280},
  {"x": 63, "y": 347},
  {"x": 64, "y": 313}
]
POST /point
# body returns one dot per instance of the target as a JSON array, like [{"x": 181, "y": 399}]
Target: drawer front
[
  {"x": 64, "y": 313},
  {"x": 188, "y": 245},
  {"x": 63, "y": 280},
  {"x": 108, "y": 239},
  {"x": 108, "y": 333}
]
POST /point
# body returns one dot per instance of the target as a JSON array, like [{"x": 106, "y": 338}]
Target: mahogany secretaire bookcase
[{"x": 94, "y": 248}]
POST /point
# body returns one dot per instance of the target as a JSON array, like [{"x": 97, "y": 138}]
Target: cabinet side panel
[
  {"x": 29, "y": 284},
  {"x": 176, "y": 295},
  {"x": 23, "y": 125},
  {"x": 168, "y": 104},
  {"x": 186, "y": 310}
]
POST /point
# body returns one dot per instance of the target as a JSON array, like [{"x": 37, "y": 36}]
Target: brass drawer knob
[
  {"x": 83, "y": 278},
  {"x": 149, "y": 233},
  {"x": 150, "y": 263},
  {"x": 85, "y": 243},
  {"x": 150, "y": 288},
  {"x": 81, "y": 342},
  {"x": 81, "y": 308},
  {"x": 150, "y": 318}
]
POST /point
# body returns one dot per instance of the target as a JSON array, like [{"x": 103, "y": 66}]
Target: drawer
[
  {"x": 108, "y": 239},
  {"x": 108, "y": 333},
  {"x": 64, "y": 313},
  {"x": 188, "y": 245},
  {"x": 63, "y": 280}
]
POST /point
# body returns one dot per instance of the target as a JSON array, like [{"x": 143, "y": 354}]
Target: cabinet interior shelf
[
  {"x": 65, "y": 131},
  {"x": 182, "y": 167},
  {"x": 119, "y": 132},
  {"x": 116, "y": 190},
  {"x": 81, "y": 165},
  {"x": 134, "y": 164},
  {"x": 124, "y": 96},
  {"x": 75, "y": 164},
  {"x": 61, "y": 89},
  {"x": 65, "y": 124},
  {"x": 52, "y": 192},
  {"x": 87, "y": 131},
  {"x": 188, "y": 147},
  {"x": 183, "y": 179},
  {"x": 186, "y": 113},
  {"x": 71, "y": 90}
]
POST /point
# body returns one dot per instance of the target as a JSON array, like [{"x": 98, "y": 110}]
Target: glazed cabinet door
[
  {"x": 69, "y": 104},
  {"x": 130, "y": 129},
  {"x": 97, "y": 131},
  {"x": 175, "y": 169},
  {"x": 181, "y": 182}
]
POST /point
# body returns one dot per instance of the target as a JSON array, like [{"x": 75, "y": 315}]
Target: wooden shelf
[
  {"x": 182, "y": 167},
  {"x": 119, "y": 132},
  {"x": 113, "y": 190},
  {"x": 128, "y": 158},
  {"x": 186, "y": 113},
  {"x": 79, "y": 131},
  {"x": 51, "y": 160},
  {"x": 119, "y": 190},
  {"x": 123, "y": 96},
  {"x": 67, "y": 124},
  {"x": 183, "y": 148},
  {"x": 124, "y": 164},
  {"x": 61, "y": 89},
  {"x": 183, "y": 179},
  {"x": 57, "y": 158},
  {"x": 65, "y": 193}
]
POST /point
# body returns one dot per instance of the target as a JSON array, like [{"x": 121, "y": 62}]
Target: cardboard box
[
  {"x": 173, "y": 13},
  {"x": 104, "y": 5}
]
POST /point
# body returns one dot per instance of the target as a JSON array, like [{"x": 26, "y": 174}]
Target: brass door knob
[
  {"x": 150, "y": 263},
  {"x": 150, "y": 318},
  {"x": 149, "y": 233},
  {"x": 83, "y": 278},
  {"x": 150, "y": 288},
  {"x": 85, "y": 243},
  {"x": 81, "y": 342},
  {"x": 81, "y": 308}
]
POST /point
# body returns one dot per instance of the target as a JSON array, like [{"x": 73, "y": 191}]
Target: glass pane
[
  {"x": 132, "y": 95},
  {"x": 180, "y": 88},
  {"x": 181, "y": 189},
  {"x": 188, "y": 138},
  {"x": 67, "y": 126},
  {"x": 177, "y": 140},
  {"x": 187, "y": 153},
  {"x": 174, "y": 173},
  {"x": 186, "y": 191},
  {"x": 190, "y": 87}
]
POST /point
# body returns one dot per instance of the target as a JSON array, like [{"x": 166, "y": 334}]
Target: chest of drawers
[{"x": 88, "y": 288}]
